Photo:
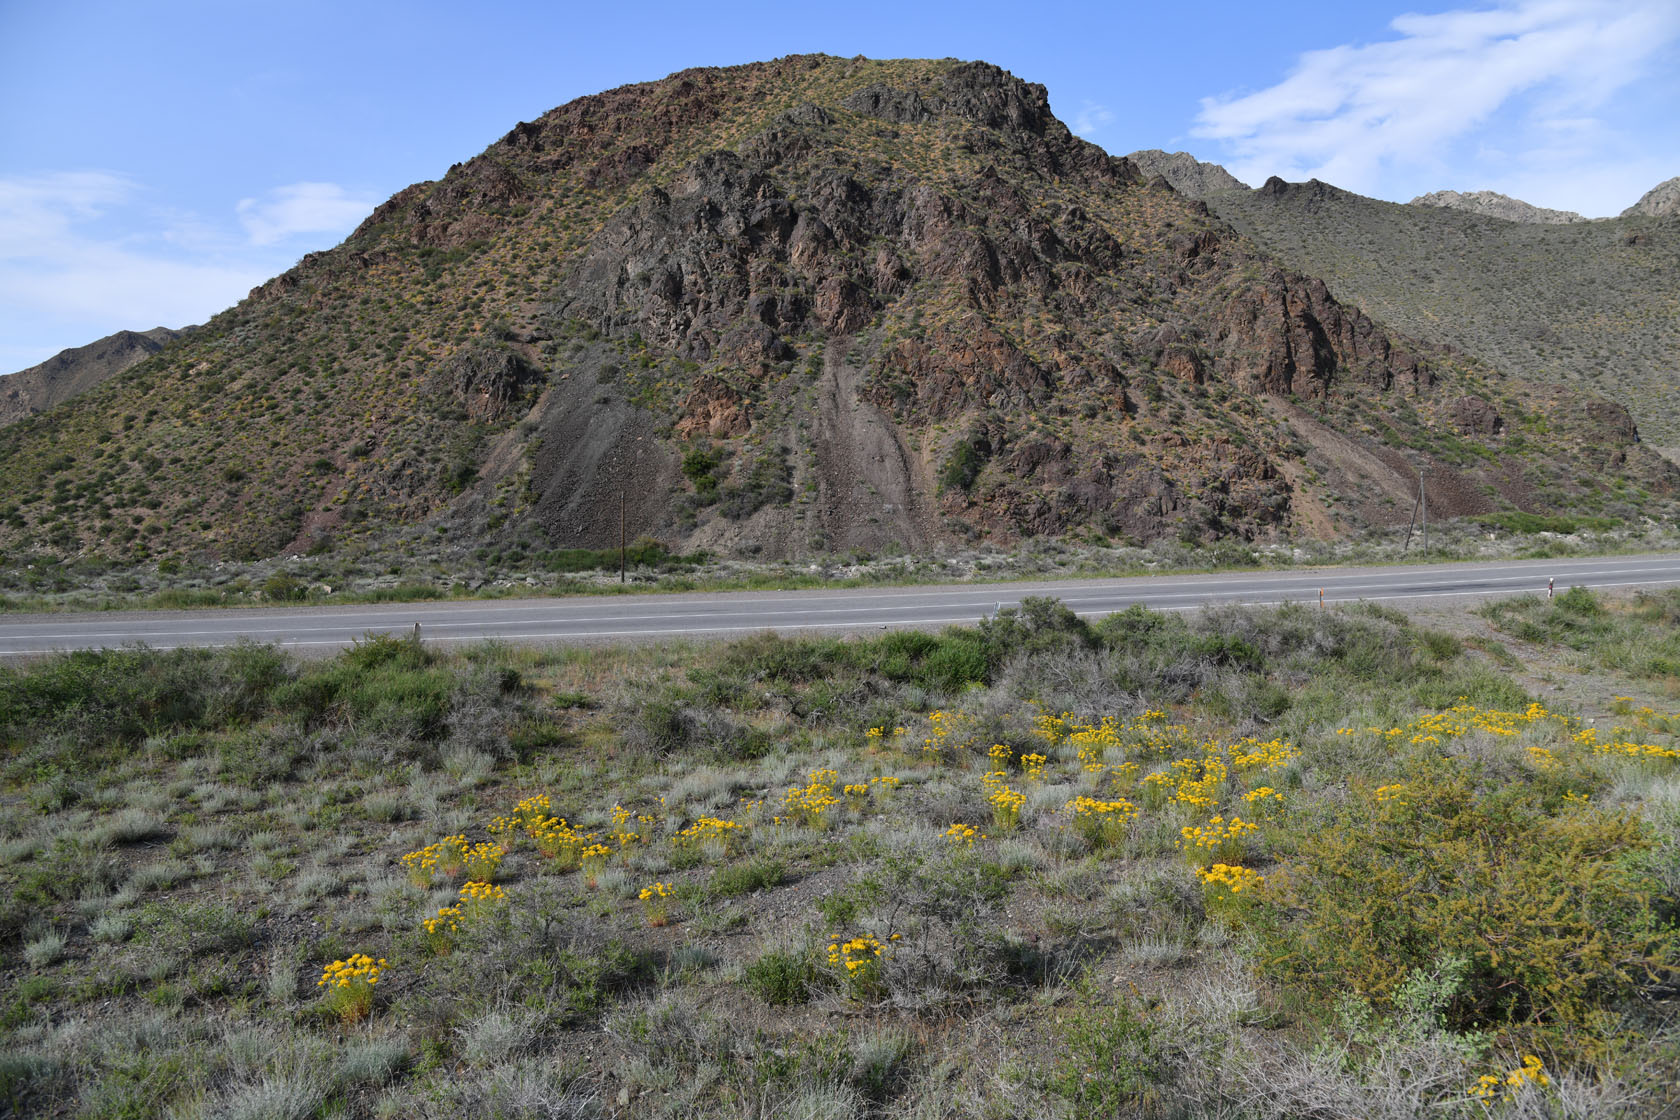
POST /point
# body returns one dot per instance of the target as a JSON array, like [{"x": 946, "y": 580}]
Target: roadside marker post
[
  {"x": 1321, "y": 598},
  {"x": 1550, "y": 584}
]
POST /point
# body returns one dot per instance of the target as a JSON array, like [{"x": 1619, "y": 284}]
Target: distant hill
[
  {"x": 1661, "y": 201},
  {"x": 814, "y": 304},
  {"x": 1187, "y": 174},
  {"x": 77, "y": 370},
  {"x": 1494, "y": 205},
  {"x": 1586, "y": 304}
]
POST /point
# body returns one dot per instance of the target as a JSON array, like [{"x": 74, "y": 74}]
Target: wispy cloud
[
  {"x": 85, "y": 253},
  {"x": 302, "y": 208},
  {"x": 1351, "y": 113},
  {"x": 1091, "y": 118}
]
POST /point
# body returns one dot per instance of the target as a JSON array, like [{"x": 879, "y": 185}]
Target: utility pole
[
  {"x": 622, "y": 549},
  {"x": 1423, "y": 500}
]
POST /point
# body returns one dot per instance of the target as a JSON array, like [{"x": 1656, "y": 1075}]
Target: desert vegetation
[
  {"x": 1569, "y": 304},
  {"x": 1253, "y": 862}
]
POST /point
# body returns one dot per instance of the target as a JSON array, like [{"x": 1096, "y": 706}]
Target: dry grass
[{"x": 165, "y": 943}]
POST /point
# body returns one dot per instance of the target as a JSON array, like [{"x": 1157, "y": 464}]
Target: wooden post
[{"x": 622, "y": 546}]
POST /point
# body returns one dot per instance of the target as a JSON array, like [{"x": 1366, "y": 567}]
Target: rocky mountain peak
[
  {"x": 1188, "y": 175},
  {"x": 1494, "y": 205},
  {"x": 1661, "y": 201}
]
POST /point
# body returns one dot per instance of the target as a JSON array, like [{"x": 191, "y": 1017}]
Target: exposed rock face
[
  {"x": 487, "y": 381},
  {"x": 1188, "y": 175},
  {"x": 712, "y": 409},
  {"x": 814, "y": 304},
  {"x": 1495, "y": 205},
  {"x": 1661, "y": 201},
  {"x": 77, "y": 370}
]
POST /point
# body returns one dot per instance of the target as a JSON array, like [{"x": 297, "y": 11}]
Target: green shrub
[
  {"x": 781, "y": 978},
  {"x": 1110, "y": 1059},
  {"x": 745, "y": 878},
  {"x": 1540, "y": 896}
]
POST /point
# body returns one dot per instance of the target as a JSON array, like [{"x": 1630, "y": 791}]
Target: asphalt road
[{"x": 726, "y": 614}]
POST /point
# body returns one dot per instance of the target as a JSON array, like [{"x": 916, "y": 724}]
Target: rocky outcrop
[
  {"x": 1491, "y": 204},
  {"x": 1287, "y": 335},
  {"x": 487, "y": 381},
  {"x": 1188, "y": 175},
  {"x": 1661, "y": 201},
  {"x": 713, "y": 409}
]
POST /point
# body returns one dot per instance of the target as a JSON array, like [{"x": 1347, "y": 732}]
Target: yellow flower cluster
[
  {"x": 809, "y": 804},
  {"x": 859, "y": 960},
  {"x": 711, "y": 833},
  {"x": 1103, "y": 823},
  {"x": 1032, "y": 767},
  {"x": 1006, "y": 803},
  {"x": 1273, "y": 754},
  {"x": 1263, "y": 801},
  {"x": 1200, "y": 781},
  {"x": 1459, "y": 721},
  {"x": 623, "y": 831},
  {"x": 526, "y": 819},
  {"x": 947, "y": 736},
  {"x": 884, "y": 786},
  {"x": 358, "y": 969},
  {"x": 1491, "y": 1087},
  {"x": 1236, "y": 879},
  {"x": 559, "y": 841},
  {"x": 1223, "y": 838},
  {"x": 349, "y": 986},
  {"x": 477, "y": 896},
  {"x": 446, "y": 922},
  {"x": 854, "y": 953},
  {"x": 963, "y": 835},
  {"x": 1392, "y": 795},
  {"x": 857, "y": 794},
  {"x": 482, "y": 860},
  {"x": 1617, "y": 744},
  {"x": 1052, "y": 729},
  {"x": 656, "y": 903},
  {"x": 1000, "y": 755},
  {"x": 446, "y": 857}
]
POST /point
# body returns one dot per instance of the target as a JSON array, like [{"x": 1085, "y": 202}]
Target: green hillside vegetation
[
  {"x": 1588, "y": 304},
  {"x": 886, "y": 303},
  {"x": 1255, "y": 862}
]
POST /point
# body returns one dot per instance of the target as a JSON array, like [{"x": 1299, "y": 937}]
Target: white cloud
[
  {"x": 302, "y": 208},
  {"x": 1091, "y": 118},
  {"x": 83, "y": 254},
  {"x": 1355, "y": 114}
]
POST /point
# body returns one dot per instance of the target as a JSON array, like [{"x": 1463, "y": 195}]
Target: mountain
[
  {"x": 1494, "y": 205},
  {"x": 810, "y": 304},
  {"x": 1661, "y": 201},
  {"x": 1586, "y": 305},
  {"x": 77, "y": 370},
  {"x": 1188, "y": 175}
]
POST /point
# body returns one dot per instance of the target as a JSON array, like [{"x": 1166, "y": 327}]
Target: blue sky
[{"x": 157, "y": 160}]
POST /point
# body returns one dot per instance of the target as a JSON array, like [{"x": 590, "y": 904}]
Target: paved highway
[{"x": 725, "y": 614}]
